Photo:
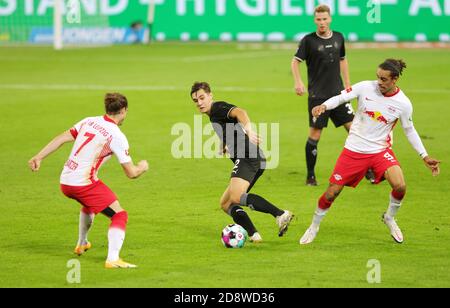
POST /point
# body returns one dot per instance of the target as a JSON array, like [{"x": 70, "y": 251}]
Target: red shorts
[
  {"x": 95, "y": 198},
  {"x": 351, "y": 167}
]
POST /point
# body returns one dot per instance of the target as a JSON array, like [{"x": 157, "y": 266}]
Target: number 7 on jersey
[{"x": 90, "y": 137}]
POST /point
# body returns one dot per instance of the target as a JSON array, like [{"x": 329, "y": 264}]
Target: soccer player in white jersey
[
  {"x": 96, "y": 139},
  {"x": 380, "y": 105}
]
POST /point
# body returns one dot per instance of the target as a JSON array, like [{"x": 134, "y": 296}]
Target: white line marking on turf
[
  {"x": 68, "y": 87},
  {"x": 151, "y": 59}
]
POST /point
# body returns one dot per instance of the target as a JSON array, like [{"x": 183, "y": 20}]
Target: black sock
[
  {"x": 311, "y": 156},
  {"x": 260, "y": 204},
  {"x": 241, "y": 218}
]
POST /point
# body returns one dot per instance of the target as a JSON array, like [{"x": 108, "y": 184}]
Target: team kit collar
[{"x": 108, "y": 119}]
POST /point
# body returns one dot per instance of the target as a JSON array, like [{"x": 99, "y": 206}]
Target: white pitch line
[{"x": 77, "y": 87}]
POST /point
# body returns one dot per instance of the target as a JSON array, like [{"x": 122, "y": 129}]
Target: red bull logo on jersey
[{"x": 377, "y": 116}]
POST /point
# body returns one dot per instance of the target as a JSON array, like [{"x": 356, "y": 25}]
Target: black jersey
[
  {"x": 323, "y": 57},
  {"x": 232, "y": 133}
]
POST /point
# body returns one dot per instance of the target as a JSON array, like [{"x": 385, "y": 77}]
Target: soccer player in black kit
[
  {"x": 324, "y": 53},
  {"x": 233, "y": 127}
]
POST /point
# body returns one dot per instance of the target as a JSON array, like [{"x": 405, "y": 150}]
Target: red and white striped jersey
[{"x": 96, "y": 139}]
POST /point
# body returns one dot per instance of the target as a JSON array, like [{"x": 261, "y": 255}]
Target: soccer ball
[{"x": 234, "y": 236}]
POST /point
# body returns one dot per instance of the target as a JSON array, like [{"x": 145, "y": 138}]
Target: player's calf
[{"x": 116, "y": 235}]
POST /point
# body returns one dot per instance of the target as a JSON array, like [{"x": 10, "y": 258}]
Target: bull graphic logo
[{"x": 377, "y": 116}]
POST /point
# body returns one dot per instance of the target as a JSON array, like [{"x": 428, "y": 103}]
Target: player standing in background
[
  {"x": 324, "y": 53},
  {"x": 380, "y": 105},
  {"x": 233, "y": 127},
  {"x": 96, "y": 139}
]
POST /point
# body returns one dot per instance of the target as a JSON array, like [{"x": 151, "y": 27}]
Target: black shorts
[
  {"x": 340, "y": 116},
  {"x": 248, "y": 169}
]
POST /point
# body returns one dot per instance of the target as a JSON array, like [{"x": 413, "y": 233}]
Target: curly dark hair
[{"x": 396, "y": 67}]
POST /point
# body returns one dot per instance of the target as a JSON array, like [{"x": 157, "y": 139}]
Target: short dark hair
[
  {"x": 323, "y": 8},
  {"x": 114, "y": 102},
  {"x": 396, "y": 67},
  {"x": 200, "y": 86}
]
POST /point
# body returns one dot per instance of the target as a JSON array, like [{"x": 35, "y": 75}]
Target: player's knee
[
  {"x": 400, "y": 188},
  {"x": 119, "y": 220},
  {"x": 235, "y": 199},
  {"x": 332, "y": 193},
  {"x": 315, "y": 135}
]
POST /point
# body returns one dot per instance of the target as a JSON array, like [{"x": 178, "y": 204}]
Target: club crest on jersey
[
  {"x": 337, "y": 177},
  {"x": 376, "y": 116}
]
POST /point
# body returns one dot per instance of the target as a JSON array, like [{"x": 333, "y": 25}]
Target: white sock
[
  {"x": 318, "y": 216},
  {"x": 86, "y": 221},
  {"x": 115, "y": 241},
  {"x": 394, "y": 206}
]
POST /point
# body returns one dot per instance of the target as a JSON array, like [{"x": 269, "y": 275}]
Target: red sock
[
  {"x": 324, "y": 203},
  {"x": 398, "y": 195},
  {"x": 119, "y": 221}
]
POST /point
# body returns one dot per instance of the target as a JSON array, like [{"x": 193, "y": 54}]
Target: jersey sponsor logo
[
  {"x": 337, "y": 177},
  {"x": 376, "y": 116}
]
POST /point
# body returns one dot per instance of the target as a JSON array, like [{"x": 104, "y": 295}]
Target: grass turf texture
[{"x": 175, "y": 220}]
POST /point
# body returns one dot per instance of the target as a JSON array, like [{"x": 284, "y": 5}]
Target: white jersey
[
  {"x": 375, "y": 118},
  {"x": 96, "y": 139}
]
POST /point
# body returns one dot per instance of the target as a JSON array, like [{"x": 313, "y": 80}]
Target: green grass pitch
[{"x": 175, "y": 218}]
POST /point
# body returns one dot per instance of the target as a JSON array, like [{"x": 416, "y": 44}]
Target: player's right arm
[
  {"x": 334, "y": 102},
  {"x": 134, "y": 171},
  {"x": 35, "y": 162},
  {"x": 298, "y": 82},
  {"x": 299, "y": 57}
]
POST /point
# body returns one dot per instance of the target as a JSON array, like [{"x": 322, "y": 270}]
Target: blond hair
[{"x": 323, "y": 8}]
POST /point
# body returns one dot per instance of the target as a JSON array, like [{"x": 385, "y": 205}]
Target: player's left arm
[
  {"x": 345, "y": 71},
  {"x": 242, "y": 117},
  {"x": 55, "y": 144},
  {"x": 416, "y": 142}
]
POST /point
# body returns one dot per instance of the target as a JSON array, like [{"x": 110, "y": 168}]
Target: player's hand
[
  {"x": 318, "y": 110},
  {"x": 432, "y": 164},
  {"x": 254, "y": 138},
  {"x": 300, "y": 89},
  {"x": 34, "y": 164},
  {"x": 143, "y": 165}
]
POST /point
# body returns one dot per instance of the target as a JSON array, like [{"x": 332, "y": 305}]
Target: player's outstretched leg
[
  {"x": 324, "y": 205},
  {"x": 86, "y": 221},
  {"x": 116, "y": 237},
  {"x": 257, "y": 203},
  {"x": 394, "y": 175},
  {"x": 230, "y": 205},
  {"x": 241, "y": 218}
]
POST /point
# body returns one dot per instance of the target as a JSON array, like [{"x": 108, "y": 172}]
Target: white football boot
[
  {"x": 309, "y": 235},
  {"x": 283, "y": 222},
  {"x": 256, "y": 238},
  {"x": 396, "y": 233}
]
